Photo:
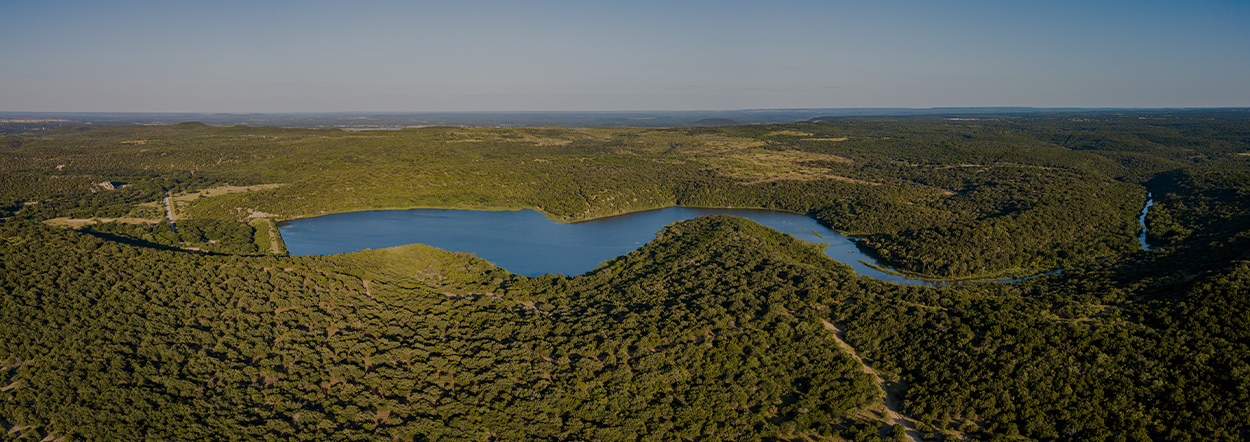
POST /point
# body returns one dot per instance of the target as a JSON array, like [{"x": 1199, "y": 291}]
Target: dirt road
[
  {"x": 169, "y": 212},
  {"x": 893, "y": 404}
]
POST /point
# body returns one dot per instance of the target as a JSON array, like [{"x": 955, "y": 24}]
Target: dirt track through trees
[
  {"x": 893, "y": 404},
  {"x": 169, "y": 212}
]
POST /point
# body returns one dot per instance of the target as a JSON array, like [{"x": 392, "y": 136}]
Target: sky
[{"x": 548, "y": 55}]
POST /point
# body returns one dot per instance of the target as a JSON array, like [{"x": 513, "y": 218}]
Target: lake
[{"x": 528, "y": 243}]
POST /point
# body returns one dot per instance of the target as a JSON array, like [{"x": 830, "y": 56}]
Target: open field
[{"x": 221, "y": 190}]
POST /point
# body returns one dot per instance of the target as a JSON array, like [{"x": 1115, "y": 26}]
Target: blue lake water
[
  {"x": 528, "y": 243},
  {"x": 1150, "y": 201}
]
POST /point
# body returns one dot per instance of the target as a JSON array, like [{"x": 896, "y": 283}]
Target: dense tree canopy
[{"x": 126, "y": 327}]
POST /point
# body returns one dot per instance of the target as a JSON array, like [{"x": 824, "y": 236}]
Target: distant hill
[{"x": 716, "y": 122}]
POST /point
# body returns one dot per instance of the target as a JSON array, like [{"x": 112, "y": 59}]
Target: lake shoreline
[{"x": 446, "y": 235}]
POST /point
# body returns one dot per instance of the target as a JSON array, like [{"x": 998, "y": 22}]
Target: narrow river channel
[{"x": 1150, "y": 201}]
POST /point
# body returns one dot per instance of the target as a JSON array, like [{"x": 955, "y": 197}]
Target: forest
[{"x": 120, "y": 325}]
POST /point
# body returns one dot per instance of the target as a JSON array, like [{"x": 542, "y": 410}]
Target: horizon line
[{"x": 796, "y": 109}]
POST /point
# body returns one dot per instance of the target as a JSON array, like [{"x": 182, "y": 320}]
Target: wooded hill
[
  {"x": 935, "y": 197},
  {"x": 716, "y": 330}
]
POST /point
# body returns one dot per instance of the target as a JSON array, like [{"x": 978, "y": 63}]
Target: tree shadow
[{"x": 135, "y": 242}]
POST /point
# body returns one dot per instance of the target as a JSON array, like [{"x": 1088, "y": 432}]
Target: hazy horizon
[
  {"x": 397, "y": 120},
  {"x": 650, "y": 56}
]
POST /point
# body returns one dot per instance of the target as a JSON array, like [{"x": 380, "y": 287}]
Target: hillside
[{"x": 938, "y": 198}]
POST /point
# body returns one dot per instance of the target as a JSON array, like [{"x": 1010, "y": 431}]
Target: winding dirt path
[{"x": 893, "y": 404}]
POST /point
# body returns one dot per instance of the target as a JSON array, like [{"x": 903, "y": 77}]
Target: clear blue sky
[{"x": 469, "y": 55}]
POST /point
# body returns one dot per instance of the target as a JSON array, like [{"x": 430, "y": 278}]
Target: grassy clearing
[
  {"x": 826, "y": 139},
  {"x": 223, "y": 190},
  {"x": 761, "y": 165},
  {"x": 789, "y": 133},
  {"x": 276, "y": 245}
]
